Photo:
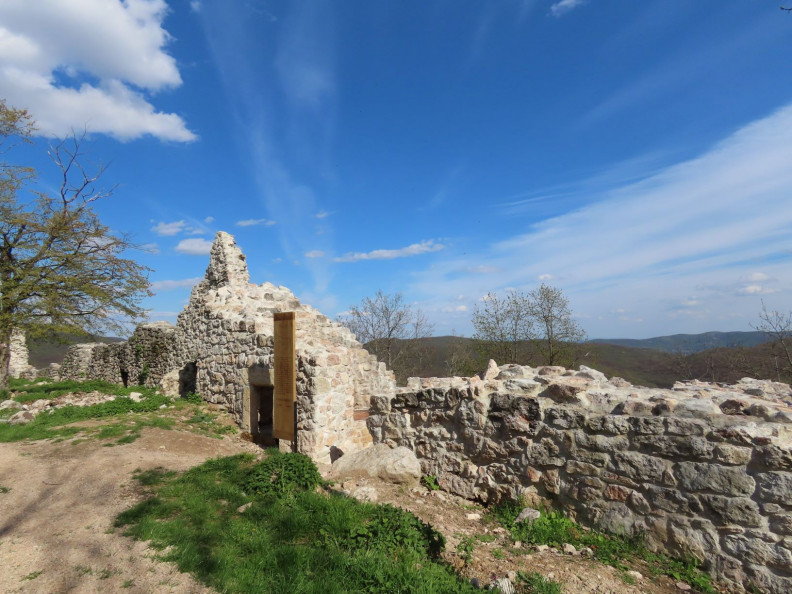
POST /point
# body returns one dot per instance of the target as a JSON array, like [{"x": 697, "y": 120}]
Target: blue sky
[{"x": 638, "y": 155}]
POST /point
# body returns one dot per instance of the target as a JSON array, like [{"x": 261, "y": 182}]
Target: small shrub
[
  {"x": 392, "y": 528},
  {"x": 430, "y": 482},
  {"x": 282, "y": 474},
  {"x": 535, "y": 583},
  {"x": 465, "y": 548},
  {"x": 193, "y": 398}
]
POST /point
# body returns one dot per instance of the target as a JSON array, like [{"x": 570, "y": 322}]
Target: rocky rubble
[
  {"x": 702, "y": 470},
  {"x": 28, "y": 412}
]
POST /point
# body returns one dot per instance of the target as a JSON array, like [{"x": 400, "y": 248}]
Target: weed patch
[
  {"x": 535, "y": 583},
  {"x": 553, "y": 528}
]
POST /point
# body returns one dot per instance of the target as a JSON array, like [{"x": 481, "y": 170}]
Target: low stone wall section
[{"x": 701, "y": 470}]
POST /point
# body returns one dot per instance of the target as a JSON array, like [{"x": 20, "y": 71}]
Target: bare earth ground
[{"x": 56, "y": 521}]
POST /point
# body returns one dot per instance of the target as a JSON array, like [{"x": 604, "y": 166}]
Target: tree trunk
[{"x": 5, "y": 360}]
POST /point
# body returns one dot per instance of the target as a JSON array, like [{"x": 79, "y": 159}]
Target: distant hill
[
  {"x": 691, "y": 343},
  {"x": 44, "y": 352},
  {"x": 654, "y": 362}
]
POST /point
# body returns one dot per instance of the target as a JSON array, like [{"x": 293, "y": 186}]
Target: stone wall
[
  {"x": 222, "y": 348},
  {"x": 701, "y": 470}
]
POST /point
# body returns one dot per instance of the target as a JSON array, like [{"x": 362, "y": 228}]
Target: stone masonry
[
  {"x": 222, "y": 348},
  {"x": 701, "y": 470}
]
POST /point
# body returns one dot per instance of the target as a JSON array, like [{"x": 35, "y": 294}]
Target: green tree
[
  {"x": 503, "y": 327},
  {"x": 61, "y": 269},
  {"x": 559, "y": 334},
  {"x": 390, "y": 329}
]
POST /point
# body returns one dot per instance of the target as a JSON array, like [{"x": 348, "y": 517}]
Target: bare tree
[
  {"x": 503, "y": 326},
  {"x": 390, "y": 329},
  {"x": 559, "y": 333},
  {"x": 778, "y": 326}
]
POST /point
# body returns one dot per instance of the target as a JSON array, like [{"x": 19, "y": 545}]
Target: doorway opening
[
  {"x": 261, "y": 422},
  {"x": 125, "y": 378},
  {"x": 187, "y": 379}
]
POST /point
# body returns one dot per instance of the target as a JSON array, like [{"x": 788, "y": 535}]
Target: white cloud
[
  {"x": 703, "y": 226},
  {"x": 564, "y": 6},
  {"x": 92, "y": 64},
  {"x": 322, "y": 214},
  {"x": 756, "y": 290},
  {"x": 415, "y": 249},
  {"x": 169, "y": 285},
  {"x": 254, "y": 222},
  {"x": 315, "y": 254},
  {"x": 151, "y": 248},
  {"x": 195, "y": 247},
  {"x": 546, "y": 277},
  {"x": 195, "y": 5},
  {"x": 169, "y": 229},
  {"x": 209, "y": 220}
]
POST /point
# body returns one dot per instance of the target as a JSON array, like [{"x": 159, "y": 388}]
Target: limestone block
[
  {"x": 398, "y": 465},
  {"x": 775, "y": 487},
  {"x": 726, "y": 480},
  {"x": 731, "y": 510}
]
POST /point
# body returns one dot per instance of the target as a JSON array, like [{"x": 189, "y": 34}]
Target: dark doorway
[
  {"x": 125, "y": 378},
  {"x": 261, "y": 402},
  {"x": 187, "y": 377}
]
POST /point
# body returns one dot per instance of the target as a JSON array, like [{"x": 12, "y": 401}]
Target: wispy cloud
[
  {"x": 702, "y": 226},
  {"x": 169, "y": 285},
  {"x": 169, "y": 229},
  {"x": 255, "y": 222},
  {"x": 322, "y": 214},
  {"x": 151, "y": 248},
  {"x": 564, "y": 6},
  {"x": 84, "y": 64},
  {"x": 315, "y": 254},
  {"x": 415, "y": 249},
  {"x": 194, "y": 247},
  {"x": 288, "y": 130}
]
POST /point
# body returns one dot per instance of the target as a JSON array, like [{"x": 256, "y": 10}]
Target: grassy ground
[
  {"x": 554, "y": 529},
  {"x": 120, "y": 420},
  {"x": 241, "y": 526}
]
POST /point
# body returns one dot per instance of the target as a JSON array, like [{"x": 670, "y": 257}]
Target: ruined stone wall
[
  {"x": 222, "y": 347},
  {"x": 141, "y": 360},
  {"x": 701, "y": 470}
]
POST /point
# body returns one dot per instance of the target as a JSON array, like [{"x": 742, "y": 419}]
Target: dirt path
[{"x": 56, "y": 521}]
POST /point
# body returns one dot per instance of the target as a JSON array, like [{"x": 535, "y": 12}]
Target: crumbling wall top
[{"x": 227, "y": 264}]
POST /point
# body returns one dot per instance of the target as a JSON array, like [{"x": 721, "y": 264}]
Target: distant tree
[
  {"x": 535, "y": 327},
  {"x": 503, "y": 326},
  {"x": 778, "y": 326},
  {"x": 390, "y": 329},
  {"x": 61, "y": 269},
  {"x": 559, "y": 333}
]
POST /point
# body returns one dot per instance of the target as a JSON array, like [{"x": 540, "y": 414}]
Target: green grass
[
  {"x": 53, "y": 423},
  {"x": 554, "y": 529},
  {"x": 534, "y": 583},
  {"x": 295, "y": 537},
  {"x": 29, "y": 391}
]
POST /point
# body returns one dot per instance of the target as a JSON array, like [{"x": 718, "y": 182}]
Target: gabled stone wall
[
  {"x": 222, "y": 348},
  {"x": 701, "y": 470}
]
